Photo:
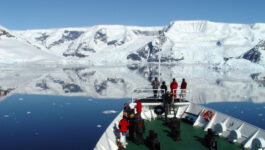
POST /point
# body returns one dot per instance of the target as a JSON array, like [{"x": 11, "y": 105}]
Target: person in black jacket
[
  {"x": 155, "y": 144},
  {"x": 163, "y": 87},
  {"x": 131, "y": 126},
  {"x": 139, "y": 129},
  {"x": 210, "y": 139}
]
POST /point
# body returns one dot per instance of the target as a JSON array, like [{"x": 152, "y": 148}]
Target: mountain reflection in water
[{"x": 68, "y": 121}]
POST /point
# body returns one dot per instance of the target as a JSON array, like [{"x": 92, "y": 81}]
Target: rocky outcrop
[
  {"x": 255, "y": 54},
  {"x": 5, "y": 33}
]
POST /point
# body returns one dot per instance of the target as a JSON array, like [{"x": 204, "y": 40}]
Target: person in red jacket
[
  {"x": 123, "y": 124},
  {"x": 138, "y": 106},
  {"x": 173, "y": 87}
]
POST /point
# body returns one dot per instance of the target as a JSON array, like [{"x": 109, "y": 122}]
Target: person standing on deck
[
  {"x": 139, "y": 129},
  {"x": 183, "y": 89},
  {"x": 126, "y": 110},
  {"x": 155, "y": 84},
  {"x": 163, "y": 87},
  {"x": 138, "y": 107},
  {"x": 131, "y": 126},
  {"x": 123, "y": 124},
  {"x": 173, "y": 87}
]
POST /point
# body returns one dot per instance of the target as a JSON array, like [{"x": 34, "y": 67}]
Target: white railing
[
  {"x": 148, "y": 93},
  {"x": 179, "y": 93}
]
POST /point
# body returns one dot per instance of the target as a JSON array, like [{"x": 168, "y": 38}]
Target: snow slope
[
  {"x": 99, "y": 45},
  {"x": 15, "y": 50},
  {"x": 184, "y": 41},
  {"x": 205, "y": 41}
]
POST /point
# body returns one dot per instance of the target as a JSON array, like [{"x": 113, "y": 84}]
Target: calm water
[
  {"x": 70, "y": 122},
  {"x": 41, "y": 122}
]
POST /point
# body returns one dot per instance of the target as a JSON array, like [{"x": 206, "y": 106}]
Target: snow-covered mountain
[
  {"x": 181, "y": 41},
  {"x": 94, "y": 45},
  {"x": 16, "y": 50}
]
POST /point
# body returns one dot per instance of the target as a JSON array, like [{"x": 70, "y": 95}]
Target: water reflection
[
  {"x": 65, "y": 121},
  {"x": 259, "y": 78},
  {"x": 207, "y": 83}
]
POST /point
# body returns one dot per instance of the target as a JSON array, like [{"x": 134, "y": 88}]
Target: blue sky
[{"x": 36, "y": 14}]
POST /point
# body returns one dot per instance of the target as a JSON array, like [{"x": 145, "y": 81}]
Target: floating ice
[
  {"x": 28, "y": 112},
  {"x": 6, "y": 116},
  {"x": 260, "y": 115},
  {"x": 20, "y": 99},
  {"x": 109, "y": 112},
  {"x": 90, "y": 100},
  {"x": 99, "y": 126}
]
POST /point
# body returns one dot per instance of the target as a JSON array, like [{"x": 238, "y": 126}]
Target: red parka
[
  {"x": 123, "y": 124},
  {"x": 174, "y": 86},
  {"x": 139, "y": 107}
]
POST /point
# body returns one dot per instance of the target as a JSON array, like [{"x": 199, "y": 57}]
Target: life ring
[
  {"x": 159, "y": 110},
  {"x": 208, "y": 115}
]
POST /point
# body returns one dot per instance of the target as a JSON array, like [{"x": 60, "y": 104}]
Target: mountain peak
[{"x": 5, "y": 33}]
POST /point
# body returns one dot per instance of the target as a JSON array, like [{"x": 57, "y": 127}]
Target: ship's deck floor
[{"x": 192, "y": 138}]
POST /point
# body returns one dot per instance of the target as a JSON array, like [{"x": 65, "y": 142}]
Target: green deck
[{"x": 191, "y": 138}]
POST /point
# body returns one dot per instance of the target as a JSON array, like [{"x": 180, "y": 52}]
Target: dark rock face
[
  {"x": 5, "y": 33},
  {"x": 100, "y": 36},
  {"x": 254, "y": 54},
  {"x": 115, "y": 43},
  {"x": 43, "y": 85},
  {"x": 259, "y": 79},
  {"x": 75, "y": 54},
  {"x": 71, "y": 35},
  {"x": 67, "y": 36},
  {"x": 68, "y": 87},
  {"x": 150, "y": 51},
  {"x": 71, "y": 88},
  {"x": 219, "y": 43},
  {"x": 78, "y": 51},
  {"x": 134, "y": 57},
  {"x": 146, "y": 53},
  {"x": 42, "y": 38}
]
